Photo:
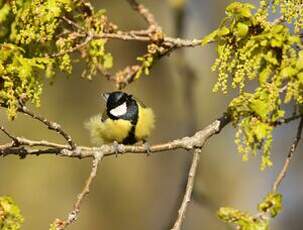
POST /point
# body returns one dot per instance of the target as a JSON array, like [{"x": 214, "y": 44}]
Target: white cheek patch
[{"x": 119, "y": 110}]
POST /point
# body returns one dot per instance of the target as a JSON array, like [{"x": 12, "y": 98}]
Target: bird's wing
[
  {"x": 140, "y": 102},
  {"x": 104, "y": 116}
]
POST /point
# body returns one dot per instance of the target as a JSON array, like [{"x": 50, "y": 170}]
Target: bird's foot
[
  {"x": 147, "y": 148},
  {"x": 116, "y": 146}
]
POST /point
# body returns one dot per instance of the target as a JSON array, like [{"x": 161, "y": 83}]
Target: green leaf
[
  {"x": 238, "y": 8},
  {"x": 288, "y": 72},
  {"x": 300, "y": 77},
  {"x": 108, "y": 61},
  {"x": 264, "y": 75},
  {"x": 276, "y": 43},
  {"x": 260, "y": 107},
  {"x": 209, "y": 38},
  {"x": 4, "y": 12},
  {"x": 277, "y": 29},
  {"x": 10, "y": 215},
  {"x": 242, "y": 29},
  {"x": 299, "y": 63},
  {"x": 272, "y": 203},
  {"x": 261, "y": 130},
  {"x": 242, "y": 220},
  {"x": 223, "y": 31}
]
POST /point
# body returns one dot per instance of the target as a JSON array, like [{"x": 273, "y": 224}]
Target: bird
[{"x": 125, "y": 120}]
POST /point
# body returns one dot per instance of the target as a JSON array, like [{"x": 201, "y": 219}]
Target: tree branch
[
  {"x": 281, "y": 175},
  {"x": 51, "y": 125},
  {"x": 72, "y": 216},
  {"x": 146, "y": 14},
  {"x": 188, "y": 191},
  {"x": 130, "y": 36},
  {"x": 72, "y": 23},
  {"x": 14, "y": 139},
  {"x": 188, "y": 85},
  {"x": 152, "y": 35},
  {"x": 88, "y": 38},
  {"x": 290, "y": 155},
  {"x": 25, "y": 147}
]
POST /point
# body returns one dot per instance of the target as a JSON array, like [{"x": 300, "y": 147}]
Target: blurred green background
[{"x": 139, "y": 192}]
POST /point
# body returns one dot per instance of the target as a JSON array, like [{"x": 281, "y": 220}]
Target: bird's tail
[{"x": 95, "y": 128}]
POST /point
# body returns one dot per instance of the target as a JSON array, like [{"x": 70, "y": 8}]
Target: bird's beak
[{"x": 105, "y": 96}]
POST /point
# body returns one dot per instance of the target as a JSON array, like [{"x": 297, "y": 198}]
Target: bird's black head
[
  {"x": 120, "y": 105},
  {"x": 115, "y": 99}
]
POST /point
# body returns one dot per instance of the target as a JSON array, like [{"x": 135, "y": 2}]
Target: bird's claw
[
  {"x": 116, "y": 148},
  {"x": 147, "y": 148}
]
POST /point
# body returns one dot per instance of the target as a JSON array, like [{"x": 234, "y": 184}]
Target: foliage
[
  {"x": 36, "y": 21},
  {"x": 36, "y": 41},
  {"x": 53, "y": 227},
  {"x": 250, "y": 48},
  {"x": 243, "y": 220},
  {"x": 272, "y": 204},
  {"x": 147, "y": 60},
  {"x": 39, "y": 38},
  {"x": 10, "y": 215},
  {"x": 291, "y": 11}
]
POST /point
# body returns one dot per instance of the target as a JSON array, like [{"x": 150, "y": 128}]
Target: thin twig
[
  {"x": 88, "y": 38},
  {"x": 169, "y": 44},
  {"x": 265, "y": 215},
  {"x": 43, "y": 143},
  {"x": 134, "y": 36},
  {"x": 188, "y": 191},
  {"x": 278, "y": 20},
  {"x": 188, "y": 84},
  {"x": 73, "y": 215},
  {"x": 6, "y": 146},
  {"x": 14, "y": 139},
  {"x": 72, "y": 23},
  {"x": 51, "y": 125},
  {"x": 290, "y": 155},
  {"x": 168, "y": 41},
  {"x": 152, "y": 35},
  {"x": 146, "y": 14},
  {"x": 286, "y": 120}
]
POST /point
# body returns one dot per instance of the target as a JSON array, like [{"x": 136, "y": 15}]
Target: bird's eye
[{"x": 119, "y": 110}]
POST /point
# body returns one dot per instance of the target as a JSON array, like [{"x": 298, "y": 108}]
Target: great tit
[{"x": 125, "y": 120}]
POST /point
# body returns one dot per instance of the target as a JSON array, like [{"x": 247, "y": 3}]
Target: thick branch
[{"x": 29, "y": 147}]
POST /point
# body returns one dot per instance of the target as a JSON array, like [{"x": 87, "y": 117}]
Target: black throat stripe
[
  {"x": 134, "y": 109},
  {"x": 130, "y": 139}
]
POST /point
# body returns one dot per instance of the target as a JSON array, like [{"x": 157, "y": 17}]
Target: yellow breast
[
  {"x": 145, "y": 123},
  {"x": 108, "y": 131}
]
